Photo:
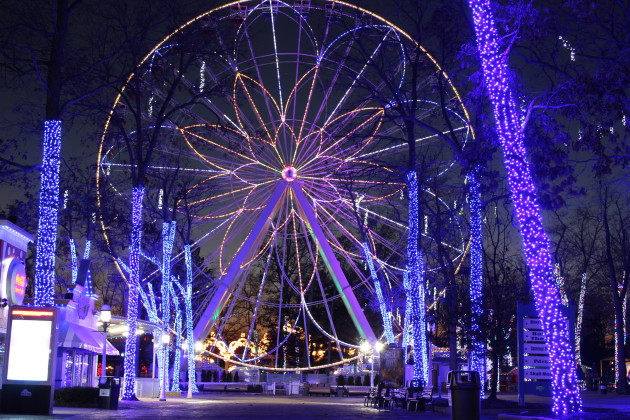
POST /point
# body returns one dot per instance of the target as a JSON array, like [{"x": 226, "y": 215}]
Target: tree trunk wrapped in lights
[
  {"x": 415, "y": 270},
  {"x": 48, "y": 215},
  {"x": 190, "y": 340},
  {"x": 131, "y": 343},
  {"x": 478, "y": 348},
  {"x": 566, "y": 394}
]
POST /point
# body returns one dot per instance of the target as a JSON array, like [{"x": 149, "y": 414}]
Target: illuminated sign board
[
  {"x": 31, "y": 334},
  {"x": 16, "y": 282}
]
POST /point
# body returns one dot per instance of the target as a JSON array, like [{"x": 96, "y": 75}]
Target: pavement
[{"x": 247, "y": 406}]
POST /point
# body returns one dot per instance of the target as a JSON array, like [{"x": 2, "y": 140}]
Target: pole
[
  {"x": 104, "y": 361},
  {"x": 372, "y": 370}
]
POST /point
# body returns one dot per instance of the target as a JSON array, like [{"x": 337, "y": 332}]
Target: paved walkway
[{"x": 221, "y": 406}]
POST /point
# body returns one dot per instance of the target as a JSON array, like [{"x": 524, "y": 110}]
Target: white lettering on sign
[
  {"x": 532, "y": 348},
  {"x": 537, "y": 361},
  {"x": 534, "y": 336},
  {"x": 532, "y": 323},
  {"x": 537, "y": 374}
]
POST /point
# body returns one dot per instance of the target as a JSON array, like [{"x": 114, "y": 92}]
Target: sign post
[
  {"x": 534, "y": 366},
  {"x": 28, "y": 374}
]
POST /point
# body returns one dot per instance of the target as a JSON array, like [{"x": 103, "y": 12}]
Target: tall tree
[{"x": 567, "y": 399}]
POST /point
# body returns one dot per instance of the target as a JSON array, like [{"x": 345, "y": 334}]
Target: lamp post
[
  {"x": 106, "y": 317},
  {"x": 166, "y": 339},
  {"x": 430, "y": 330}
]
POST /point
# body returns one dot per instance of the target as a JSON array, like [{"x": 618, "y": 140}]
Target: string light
[
  {"x": 190, "y": 341},
  {"x": 624, "y": 307},
  {"x": 178, "y": 345},
  {"x": 131, "y": 344},
  {"x": 385, "y": 314},
  {"x": 566, "y": 396},
  {"x": 168, "y": 236},
  {"x": 47, "y": 224},
  {"x": 478, "y": 349},
  {"x": 560, "y": 283},
  {"x": 578, "y": 324},
  {"x": 73, "y": 261},
  {"x": 415, "y": 271}
]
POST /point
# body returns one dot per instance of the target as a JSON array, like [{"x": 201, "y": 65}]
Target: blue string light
[
  {"x": 178, "y": 340},
  {"x": 415, "y": 272},
  {"x": 168, "y": 236},
  {"x": 48, "y": 215},
  {"x": 478, "y": 349},
  {"x": 385, "y": 314},
  {"x": 131, "y": 344},
  {"x": 566, "y": 396},
  {"x": 190, "y": 341},
  {"x": 73, "y": 261}
]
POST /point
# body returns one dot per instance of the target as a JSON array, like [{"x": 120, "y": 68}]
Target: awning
[{"x": 78, "y": 337}]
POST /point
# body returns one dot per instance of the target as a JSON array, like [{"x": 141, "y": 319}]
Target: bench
[
  {"x": 361, "y": 391},
  {"x": 420, "y": 398},
  {"x": 212, "y": 386},
  {"x": 319, "y": 389},
  {"x": 235, "y": 388}
]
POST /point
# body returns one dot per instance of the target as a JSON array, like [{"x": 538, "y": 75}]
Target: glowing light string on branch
[
  {"x": 624, "y": 307},
  {"x": 48, "y": 215},
  {"x": 578, "y": 324},
  {"x": 178, "y": 339},
  {"x": 478, "y": 348},
  {"x": 415, "y": 271},
  {"x": 168, "y": 236},
  {"x": 131, "y": 344},
  {"x": 566, "y": 396},
  {"x": 560, "y": 283},
  {"x": 190, "y": 340},
  {"x": 385, "y": 314},
  {"x": 73, "y": 261}
]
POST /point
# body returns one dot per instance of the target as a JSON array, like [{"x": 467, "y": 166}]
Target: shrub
[
  {"x": 236, "y": 378},
  {"x": 377, "y": 380},
  {"x": 350, "y": 380},
  {"x": 341, "y": 380},
  {"x": 366, "y": 380},
  {"x": 76, "y": 396}
]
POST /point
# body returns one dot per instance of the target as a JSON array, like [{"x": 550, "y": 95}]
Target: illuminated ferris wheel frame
[{"x": 292, "y": 186}]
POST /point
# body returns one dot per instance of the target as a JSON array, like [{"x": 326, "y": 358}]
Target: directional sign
[
  {"x": 534, "y": 348},
  {"x": 534, "y": 336},
  {"x": 532, "y": 324},
  {"x": 536, "y": 361},
  {"x": 537, "y": 374}
]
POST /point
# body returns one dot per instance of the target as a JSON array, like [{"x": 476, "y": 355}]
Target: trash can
[
  {"x": 465, "y": 388},
  {"x": 108, "y": 392},
  {"x": 603, "y": 388}
]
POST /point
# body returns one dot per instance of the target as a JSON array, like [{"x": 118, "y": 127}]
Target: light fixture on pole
[
  {"x": 166, "y": 339},
  {"x": 430, "y": 330},
  {"x": 106, "y": 317}
]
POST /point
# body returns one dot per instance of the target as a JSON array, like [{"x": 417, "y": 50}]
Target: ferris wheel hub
[{"x": 289, "y": 173}]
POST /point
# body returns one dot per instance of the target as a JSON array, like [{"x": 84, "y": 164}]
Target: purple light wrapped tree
[
  {"x": 48, "y": 215},
  {"x": 566, "y": 394},
  {"x": 131, "y": 344}
]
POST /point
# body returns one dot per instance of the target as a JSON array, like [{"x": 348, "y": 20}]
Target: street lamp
[
  {"x": 430, "y": 330},
  {"x": 106, "y": 317},
  {"x": 166, "y": 338}
]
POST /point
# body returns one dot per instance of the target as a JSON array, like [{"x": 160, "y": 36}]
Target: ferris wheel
[{"x": 276, "y": 117}]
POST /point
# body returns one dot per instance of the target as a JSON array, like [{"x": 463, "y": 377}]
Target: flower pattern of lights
[{"x": 240, "y": 136}]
